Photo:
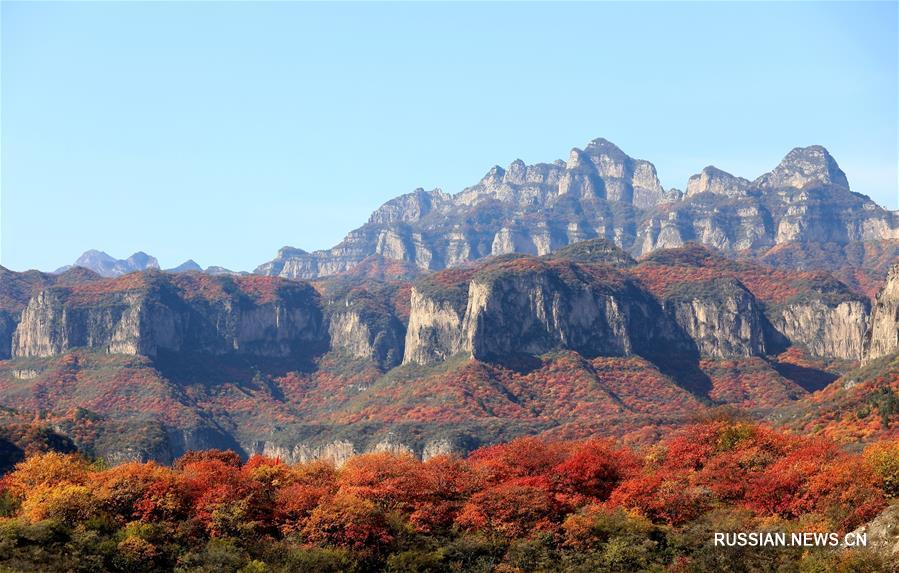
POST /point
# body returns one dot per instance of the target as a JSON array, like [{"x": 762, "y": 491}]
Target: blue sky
[{"x": 223, "y": 131}]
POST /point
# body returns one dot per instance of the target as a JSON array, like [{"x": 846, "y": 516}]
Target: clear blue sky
[{"x": 223, "y": 131}]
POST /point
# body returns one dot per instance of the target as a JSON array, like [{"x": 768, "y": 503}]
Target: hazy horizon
[{"x": 220, "y": 132}]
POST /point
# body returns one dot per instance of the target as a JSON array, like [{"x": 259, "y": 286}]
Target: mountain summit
[
  {"x": 107, "y": 266},
  {"x": 804, "y": 166}
]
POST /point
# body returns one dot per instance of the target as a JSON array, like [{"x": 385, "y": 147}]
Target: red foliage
[
  {"x": 669, "y": 498},
  {"x": 512, "y": 490},
  {"x": 348, "y": 521},
  {"x": 227, "y": 457},
  {"x": 594, "y": 469},
  {"x": 391, "y": 481},
  {"x": 510, "y": 509},
  {"x": 523, "y": 457}
]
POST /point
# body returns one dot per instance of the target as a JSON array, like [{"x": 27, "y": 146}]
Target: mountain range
[
  {"x": 564, "y": 299},
  {"x": 800, "y": 215}
]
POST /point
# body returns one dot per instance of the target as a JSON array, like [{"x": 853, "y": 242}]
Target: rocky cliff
[
  {"x": 803, "y": 204},
  {"x": 835, "y": 331},
  {"x": 435, "y": 328},
  {"x": 107, "y": 266},
  {"x": 17, "y": 289},
  {"x": 882, "y": 337},
  {"x": 525, "y": 305},
  {"x": 721, "y": 317},
  {"x": 144, "y": 313}
]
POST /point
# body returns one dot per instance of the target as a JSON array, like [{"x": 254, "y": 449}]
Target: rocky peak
[
  {"x": 287, "y": 251},
  {"x": 494, "y": 176},
  {"x": 804, "y": 166},
  {"x": 186, "y": 266},
  {"x": 107, "y": 266},
  {"x": 577, "y": 158},
  {"x": 410, "y": 207},
  {"x": 714, "y": 180},
  {"x": 516, "y": 173},
  {"x": 626, "y": 179}
]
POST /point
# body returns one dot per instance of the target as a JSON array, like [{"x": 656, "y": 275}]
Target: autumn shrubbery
[{"x": 528, "y": 505}]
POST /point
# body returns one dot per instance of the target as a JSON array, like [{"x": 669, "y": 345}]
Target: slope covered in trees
[{"x": 527, "y": 505}]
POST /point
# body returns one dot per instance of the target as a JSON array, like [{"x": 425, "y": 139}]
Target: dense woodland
[{"x": 527, "y": 505}]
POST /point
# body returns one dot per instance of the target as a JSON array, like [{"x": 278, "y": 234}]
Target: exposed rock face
[
  {"x": 713, "y": 180},
  {"x": 883, "y": 336},
  {"x": 383, "y": 343},
  {"x": 434, "y": 330},
  {"x": 824, "y": 330},
  {"x": 883, "y": 532},
  {"x": 804, "y": 166},
  {"x": 7, "y": 327},
  {"x": 107, "y": 266},
  {"x": 533, "y": 306},
  {"x": 339, "y": 451},
  {"x": 601, "y": 192},
  {"x": 721, "y": 317},
  {"x": 156, "y": 312},
  {"x": 537, "y": 312},
  {"x": 17, "y": 289},
  {"x": 805, "y": 200}
]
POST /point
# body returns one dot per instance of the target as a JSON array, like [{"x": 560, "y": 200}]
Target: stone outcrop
[
  {"x": 434, "y": 330},
  {"x": 882, "y": 533},
  {"x": 713, "y": 180},
  {"x": 8, "y": 325},
  {"x": 532, "y": 209},
  {"x": 537, "y": 312},
  {"x": 533, "y": 306},
  {"x": 339, "y": 451},
  {"x": 721, "y": 317},
  {"x": 804, "y": 166},
  {"x": 374, "y": 339},
  {"x": 155, "y": 312},
  {"x": 832, "y": 331},
  {"x": 882, "y": 337}
]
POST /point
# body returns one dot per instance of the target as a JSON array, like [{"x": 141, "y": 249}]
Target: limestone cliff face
[
  {"x": 49, "y": 326},
  {"x": 804, "y": 166},
  {"x": 832, "y": 331},
  {"x": 721, "y": 317},
  {"x": 8, "y": 324},
  {"x": 434, "y": 330},
  {"x": 339, "y": 451},
  {"x": 535, "y": 313},
  {"x": 805, "y": 199},
  {"x": 155, "y": 314},
  {"x": 367, "y": 339},
  {"x": 533, "y": 306},
  {"x": 882, "y": 337},
  {"x": 716, "y": 181}
]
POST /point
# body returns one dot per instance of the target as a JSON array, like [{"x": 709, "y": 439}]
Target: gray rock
[{"x": 882, "y": 337}]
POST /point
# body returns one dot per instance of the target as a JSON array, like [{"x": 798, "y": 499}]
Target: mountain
[
  {"x": 17, "y": 289},
  {"x": 883, "y": 335},
  {"x": 585, "y": 340},
  {"x": 188, "y": 265},
  {"x": 800, "y": 215},
  {"x": 107, "y": 266}
]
